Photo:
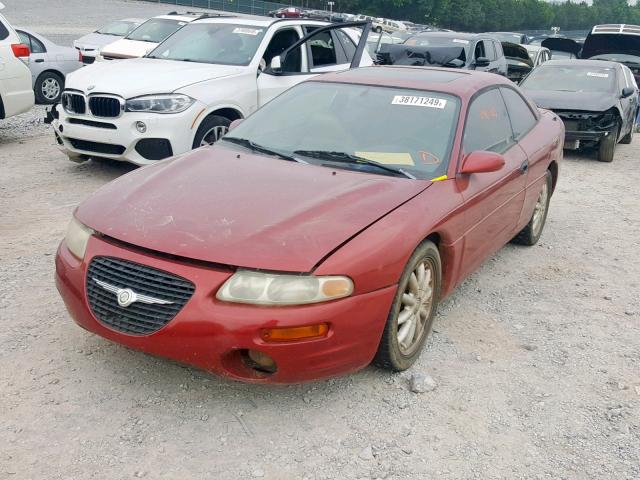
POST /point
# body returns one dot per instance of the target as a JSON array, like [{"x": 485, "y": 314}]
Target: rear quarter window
[{"x": 4, "y": 31}]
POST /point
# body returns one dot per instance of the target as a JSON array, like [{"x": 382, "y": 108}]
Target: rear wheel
[
  {"x": 530, "y": 234},
  {"x": 607, "y": 147},
  {"x": 413, "y": 309},
  {"x": 48, "y": 88},
  {"x": 212, "y": 129}
]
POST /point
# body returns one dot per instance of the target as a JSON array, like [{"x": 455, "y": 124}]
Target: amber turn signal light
[{"x": 293, "y": 334}]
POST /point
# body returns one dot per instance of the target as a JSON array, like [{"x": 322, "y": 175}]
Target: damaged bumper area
[
  {"x": 420, "y": 56},
  {"x": 586, "y": 128}
]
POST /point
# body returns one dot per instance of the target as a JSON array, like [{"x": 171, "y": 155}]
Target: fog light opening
[
  {"x": 141, "y": 127},
  {"x": 259, "y": 361}
]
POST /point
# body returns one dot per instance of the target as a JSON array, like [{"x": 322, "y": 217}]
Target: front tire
[
  {"x": 212, "y": 129},
  {"x": 412, "y": 311},
  {"x": 607, "y": 146},
  {"x": 628, "y": 138},
  {"x": 48, "y": 88},
  {"x": 530, "y": 234}
]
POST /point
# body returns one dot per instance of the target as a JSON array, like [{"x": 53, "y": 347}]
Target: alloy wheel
[
  {"x": 540, "y": 209},
  {"x": 415, "y": 307},
  {"x": 50, "y": 88},
  {"x": 213, "y": 135}
]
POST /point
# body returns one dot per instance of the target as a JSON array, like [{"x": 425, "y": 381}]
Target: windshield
[
  {"x": 219, "y": 43},
  {"x": 155, "y": 30},
  {"x": 437, "y": 41},
  {"x": 408, "y": 130},
  {"x": 556, "y": 54},
  {"x": 119, "y": 29},
  {"x": 570, "y": 79}
]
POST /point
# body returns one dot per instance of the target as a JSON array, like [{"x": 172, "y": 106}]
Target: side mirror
[
  {"x": 482, "y": 62},
  {"x": 627, "y": 92},
  {"x": 482, "y": 162},
  {"x": 235, "y": 123},
  {"x": 276, "y": 64}
]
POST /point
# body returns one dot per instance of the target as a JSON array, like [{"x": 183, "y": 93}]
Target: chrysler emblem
[{"x": 126, "y": 296}]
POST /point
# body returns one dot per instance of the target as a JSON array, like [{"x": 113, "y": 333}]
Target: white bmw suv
[{"x": 187, "y": 91}]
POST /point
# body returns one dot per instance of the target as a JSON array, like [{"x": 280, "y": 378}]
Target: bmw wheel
[{"x": 212, "y": 129}]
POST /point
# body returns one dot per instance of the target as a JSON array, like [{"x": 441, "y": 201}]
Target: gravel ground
[{"x": 535, "y": 360}]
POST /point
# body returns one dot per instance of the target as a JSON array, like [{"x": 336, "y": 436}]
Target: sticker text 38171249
[{"x": 412, "y": 101}]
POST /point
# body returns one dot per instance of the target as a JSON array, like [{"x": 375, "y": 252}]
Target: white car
[
  {"x": 186, "y": 93},
  {"x": 147, "y": 36},
  {"x": 16, "y": 94},
  {"x": 89, "y": 45}
]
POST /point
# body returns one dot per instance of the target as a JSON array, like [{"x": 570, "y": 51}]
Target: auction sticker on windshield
[
  {"x": 596, "y": 74},
  {"x": 247, "y": 31},
  {"x": 430, "y": 102},
  {"x": 464, "y": 42}
]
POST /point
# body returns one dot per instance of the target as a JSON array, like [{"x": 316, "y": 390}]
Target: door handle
[
  {"x": 524, "y": 167},
  {"x": 39, "y": 60}
]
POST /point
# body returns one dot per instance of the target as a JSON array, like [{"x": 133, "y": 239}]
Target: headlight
[
  {"x": 77, "y": 238},
  {"x": 170, "y": 103},
  {"x": 274, "y": 289}
]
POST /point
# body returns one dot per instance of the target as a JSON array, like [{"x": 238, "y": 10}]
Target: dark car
[
  {"x": 448, "y": 49},
  {"x": 562, "y": 47},
  {"x": 519, "y": 63},
  {"x": 616, "y": 43},
  {"x": 596, "y": 100}
]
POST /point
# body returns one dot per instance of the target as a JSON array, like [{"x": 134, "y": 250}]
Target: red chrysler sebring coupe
[{"x": 320, "y": 234}]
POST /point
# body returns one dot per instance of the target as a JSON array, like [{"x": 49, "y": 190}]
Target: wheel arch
[
  {"x": 553, "y": 168},
  {"x": 51, "y": 70},
  {"x": 232, "y": 112}
]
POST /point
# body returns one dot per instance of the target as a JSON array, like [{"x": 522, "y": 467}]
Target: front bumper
[
  {"x": 210, "y": 334},
  {"x": 586, "y": 127},
  {"x": 85, "y": 136}
]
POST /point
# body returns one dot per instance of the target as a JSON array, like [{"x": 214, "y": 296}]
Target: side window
[
  {"x": 4, "y": 31},
  {"x": 36, "y": 45},
  {"x": 480, "y": 50},
  {"x": 347, "y": 44},
  {"x": 522, "y": 118},
  {"x": 487, "y": 126},
  {"x": 24, "y": 38},
  {"x": 322, "y": 50},
  {"x": 280, "y": 41}
]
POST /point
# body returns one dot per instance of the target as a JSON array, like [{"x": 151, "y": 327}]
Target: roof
[
  {"x": 461, "y": 36},
  {"x": 463, "y": 83},
  {"x": 263, "y": 22},
  {"x": 582, "y": 63}
]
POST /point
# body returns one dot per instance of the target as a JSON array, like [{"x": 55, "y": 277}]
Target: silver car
[
  {"x": 91, "y": 44},
  {"x": 49, "y": 64}
]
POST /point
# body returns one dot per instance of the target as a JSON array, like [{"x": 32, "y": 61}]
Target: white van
[{"x": 16, "y": 93}]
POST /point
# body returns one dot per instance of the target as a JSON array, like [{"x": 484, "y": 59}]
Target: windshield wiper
[
  {"x": 343, "y": 157},
  {"x": 244, "y": 142}
]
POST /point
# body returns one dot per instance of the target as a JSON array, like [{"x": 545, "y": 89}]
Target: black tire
[
  {"x": 607, "y": 146},
  {"x": 48, "y": 88},
  {"x": 389, "y": 355},
  {"x": 628, "y": 138},
  {"x": 377, "y": 29},
  {"x": 530, "y": 234},
  {"x": 207, "y": 125}
]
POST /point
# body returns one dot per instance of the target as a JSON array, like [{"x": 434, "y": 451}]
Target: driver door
[{"x": 321, "y": 50}]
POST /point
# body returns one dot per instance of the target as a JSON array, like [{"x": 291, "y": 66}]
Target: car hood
[
  {"x": 252, "y": 211},
  {"x": 585, "y": 101},
  {"x": 126, "y": 48},
  {"x": 142, "y": 76},
  {"x": 94, "y": 40},
  {"x": 603, "y": 43}
]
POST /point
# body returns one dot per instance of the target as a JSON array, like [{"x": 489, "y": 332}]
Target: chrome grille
[
  {"x": 106, "y": 107},
  {"x": 138, "y": 318}
]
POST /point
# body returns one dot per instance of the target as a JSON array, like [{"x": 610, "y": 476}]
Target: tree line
[{"x": 495, "y": 15}]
